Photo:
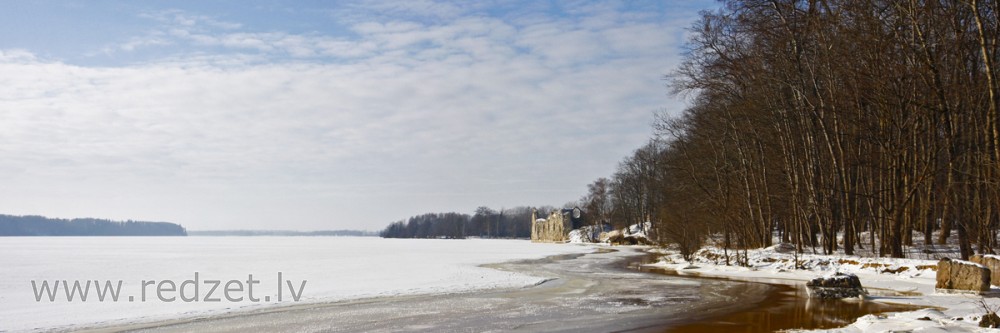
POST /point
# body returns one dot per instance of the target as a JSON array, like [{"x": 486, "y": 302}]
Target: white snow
[
  {"x": 586, "y": 234},
  {"x": 968, "y": 263},
  {"x": 595, "y": 234},
  {"x": 578, "y": 236},
  {"x": 638, "y": 230},
  {"x": 335, "y": 268},
  {"x": 910, "y": 281}
]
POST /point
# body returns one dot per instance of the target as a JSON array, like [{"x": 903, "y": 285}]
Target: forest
[
  {"x": 875, "y": 121},
  {"x": 484, "y": 223},
  {"x": 250, "y": 233},
  {"x": 31, "y": 225}
]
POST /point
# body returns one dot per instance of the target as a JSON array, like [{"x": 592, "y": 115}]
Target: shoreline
[
  {"x": 734, "y": 301},
  {"x": 789, "y": 300},
  {"x": 893, "y": 281},
  {"x": 600, "y": 283}
]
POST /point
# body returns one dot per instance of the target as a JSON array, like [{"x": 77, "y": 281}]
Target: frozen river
[
  {"x": 318, "y": 269},
  {"x": 344, "y": 284},
  {"x": 582, "y": 293},
  {"x": 332, "y": 284}
]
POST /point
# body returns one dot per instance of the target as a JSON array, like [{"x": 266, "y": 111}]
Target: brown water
[
  {"x": 791, "y": 309},
  {"x": 786, "y": 308}
]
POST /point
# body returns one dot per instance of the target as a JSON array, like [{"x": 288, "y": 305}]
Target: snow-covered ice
[
  {"x": 588, "y": 293},
  {"x": 335, "y": 268}
]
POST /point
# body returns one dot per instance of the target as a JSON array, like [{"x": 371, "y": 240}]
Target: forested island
[{"x": 31, "y": 225}]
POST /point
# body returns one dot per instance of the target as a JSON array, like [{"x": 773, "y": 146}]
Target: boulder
[
  {"x": 836, "y": 286},
  {"x": 990, "y": 320},
  {"x": 636, "y": 240},
  {"x": 990, "y": 261},
  {"x": 962, "y": 275},
  {"x": 613, "y": 237},
  {"x": 783, "y": 248}
]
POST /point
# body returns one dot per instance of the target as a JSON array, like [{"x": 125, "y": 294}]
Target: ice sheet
[{"x": 334, "y": 268}]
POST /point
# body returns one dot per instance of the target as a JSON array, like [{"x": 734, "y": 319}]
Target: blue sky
[{"x": 312, "y": 115}]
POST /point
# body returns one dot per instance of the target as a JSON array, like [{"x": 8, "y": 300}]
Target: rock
[
  {"x": 990, "y": 320},
  {"x": 962, "y": 275},
  {"x": 783, "y": 248},
  {"x": 990, "y": 261},
  {"x": 636, "y": 240},
  {"x": 629, "y": 240},
  {"x": 613, "y": 237},
  {"x": 837, "y": 286}
]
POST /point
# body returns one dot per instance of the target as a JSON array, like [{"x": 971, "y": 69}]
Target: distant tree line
[
  {"x": 484, "y": 223},
  {"x": 811, "y": 118},
  {"x": 42, "y": 226},
  {"x": 355, "y": 233}
]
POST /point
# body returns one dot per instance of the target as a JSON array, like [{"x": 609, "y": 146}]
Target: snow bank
[
  {"x": 635, "y": 234},
  {"x": 588, "y": 234},
  {"x": 638, "y": 230},
  {"x": 906, "y": 281}
]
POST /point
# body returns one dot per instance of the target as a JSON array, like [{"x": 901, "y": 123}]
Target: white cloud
[
  {"x": 17, "y": 56},
  {"x": 493, "y": 112},
  {"x": 417, "y": 8},
  {"x": 182, "y": 18}
]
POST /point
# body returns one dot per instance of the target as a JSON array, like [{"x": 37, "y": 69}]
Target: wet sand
[{"x": 585, "y": 293}]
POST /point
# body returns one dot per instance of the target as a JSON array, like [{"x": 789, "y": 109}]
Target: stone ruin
[
  {"x": 556, "y": 227},
  {"x": 960, "y": 275},
  {"x": 990, "y": 261}
]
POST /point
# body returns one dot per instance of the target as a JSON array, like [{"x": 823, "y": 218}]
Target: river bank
[
  {"x": 595, "y": 292},
  {"x": 908, "y": 282}
]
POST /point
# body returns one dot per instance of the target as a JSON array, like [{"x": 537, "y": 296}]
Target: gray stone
[
  {"x": 962, "y": 275},
  {"x": 990, "y": 261},
  {"x": 838, "y": 286}
]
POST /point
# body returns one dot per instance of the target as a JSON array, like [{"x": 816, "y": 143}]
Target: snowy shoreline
[
  {"x": 889, "y": 280},
  {"x": 595, "y": 289},
  {"x": 460, "y": 266}
]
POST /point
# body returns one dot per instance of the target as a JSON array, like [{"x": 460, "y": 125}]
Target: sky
[{"x": 318, "y": 115}]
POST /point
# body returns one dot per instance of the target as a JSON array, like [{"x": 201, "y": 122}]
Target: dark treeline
[
  {"x": 355, "y": 233},
  {"x": 871, "y": 119},
  {"x": 42, "y": 226},
  {"x": 484, "y": 223}
]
